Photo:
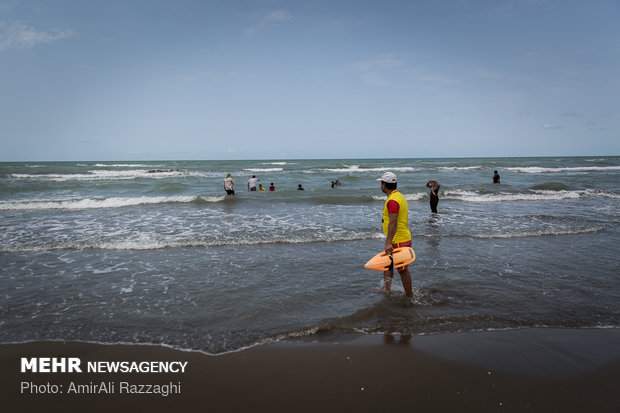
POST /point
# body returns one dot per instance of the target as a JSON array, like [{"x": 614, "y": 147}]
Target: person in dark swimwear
[
  {"x": 433, "y": 185},
  {"x": 495, "y": 177}
]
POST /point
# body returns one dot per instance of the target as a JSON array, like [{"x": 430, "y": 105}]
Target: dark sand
[{"x": 542, "y": 370}]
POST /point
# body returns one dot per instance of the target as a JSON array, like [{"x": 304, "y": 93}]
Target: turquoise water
[{"x": 154, "y": 252}]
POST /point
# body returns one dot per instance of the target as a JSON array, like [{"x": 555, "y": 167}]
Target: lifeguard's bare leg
[
  {"x": 405, "y": 277},
  {"x": 387, "y": 282}
]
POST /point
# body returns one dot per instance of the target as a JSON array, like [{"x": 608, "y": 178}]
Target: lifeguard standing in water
[{"x": 396, "y": 229}]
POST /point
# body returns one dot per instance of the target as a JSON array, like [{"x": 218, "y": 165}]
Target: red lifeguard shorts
[{"x": 402, "y": 244}]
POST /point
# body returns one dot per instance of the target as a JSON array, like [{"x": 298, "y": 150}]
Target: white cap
[{"x": 388, "y": 177}]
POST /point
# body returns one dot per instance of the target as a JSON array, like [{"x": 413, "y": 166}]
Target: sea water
[{"x": 155, "y": 252}]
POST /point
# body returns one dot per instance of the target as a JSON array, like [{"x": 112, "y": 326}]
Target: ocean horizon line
[{"x": 308, "y": 159}]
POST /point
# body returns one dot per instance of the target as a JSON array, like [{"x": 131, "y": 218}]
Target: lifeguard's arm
[{"x": 391, "y": 232}]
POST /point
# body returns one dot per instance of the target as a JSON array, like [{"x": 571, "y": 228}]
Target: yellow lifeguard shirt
[{"x": 402, "y": 220}]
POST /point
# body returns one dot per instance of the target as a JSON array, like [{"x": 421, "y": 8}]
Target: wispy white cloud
[
  {"x": 435, "y": 78},
  {"x": 374, "y": 79},
  {"x": 549, "y": 126},
  {"x": 379, "y": 63},
  {"x": 390, "y": 70},
  {"x": 274, "y": 17},
  {"x": 374, "y": 71},
  {"x": 500, "y": 76},
  {"x": 20, "y": 36}
]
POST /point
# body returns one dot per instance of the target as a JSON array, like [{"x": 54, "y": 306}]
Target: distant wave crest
[
  {"x": 263, "y": 169},
  {"x": 358, "y": 169},
  {"x": 409, "y": 197},
  {"x": 532, "y": 195},
  {"x": 114, "y": 202},
  {"x": 539, "y": 169},
  {"x": 101, "y": 175}
]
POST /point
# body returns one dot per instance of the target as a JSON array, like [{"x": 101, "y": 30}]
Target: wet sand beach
[{"x": 567, "y": 370}]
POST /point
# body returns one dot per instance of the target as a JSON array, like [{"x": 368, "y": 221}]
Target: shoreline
[{"x": 533, "y": 369}]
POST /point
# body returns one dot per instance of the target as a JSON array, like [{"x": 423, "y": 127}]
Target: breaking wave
[
  {"x": 114, "y": 202},
  {"x": 102, "y": 175},
  {"x": 152, "y": 242},
  {"x": 532, "y": 195},
  {"x": 357, "y": 169},
  {"x": 539, "y": 169}
]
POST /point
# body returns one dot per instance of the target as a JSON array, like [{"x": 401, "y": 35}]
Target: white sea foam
[
  {"x": 459, "y": 168},
  {"x": 408, "y": 197},
  {"x": 357, "y": 169},
  {"x": 100, "y": 175},
  {"x": 602, "y": 194},
  {"x": 538, "y": 169},
  {"x": 125, "y": 165},
  {"x": 538, "y": 195},
  {"x": 259, "y": 170},
  {"x": 580, "y": 193},
  {"x": 153, "y": 242},
  {"x": 93, "y": 203},
  {"x": 540, "y": 233},
  {"x": 216, "y": 198}
]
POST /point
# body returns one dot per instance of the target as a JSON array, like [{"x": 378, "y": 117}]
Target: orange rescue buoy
[{"x": 400, "y": 257}]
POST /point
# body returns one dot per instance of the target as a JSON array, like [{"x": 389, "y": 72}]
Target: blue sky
[{"x": 180, "y": 79}]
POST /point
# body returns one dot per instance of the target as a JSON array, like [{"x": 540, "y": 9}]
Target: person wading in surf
[
  {"x": 229, "y": 185},
  {"x": 433, "y": 185},
  {"x": 396, "y": 229}
]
